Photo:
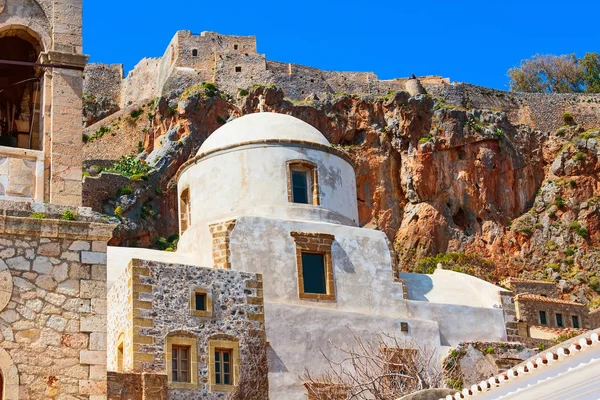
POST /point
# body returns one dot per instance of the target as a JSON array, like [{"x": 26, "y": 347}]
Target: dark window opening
[
  {"x": 575, "y": 320},
  {"x": 559, "y": 321},
  {"x": 313, "y": 273},
  {"x": 238, "y": 69},
  {"x": 20, "y": 92},
  {"x": 235, "y": 46},
  {"x": 223, "y": 367},
  {"x": 543, "y": 320},
  {"x": 181, "y": 364},
  {"x": 194, "y": 53},
  {"x": 300, "y": 187},
  {"x": 200, "y": 302}
]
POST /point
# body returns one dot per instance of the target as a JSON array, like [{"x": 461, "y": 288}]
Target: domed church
[{"x": 271, "y": 256}]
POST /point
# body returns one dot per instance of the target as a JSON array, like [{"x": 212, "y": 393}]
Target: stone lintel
[{"x": 66, "y": 59}]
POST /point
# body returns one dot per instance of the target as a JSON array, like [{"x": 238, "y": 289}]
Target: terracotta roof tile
[
  {"x": 535, "y": 297},
  {"x": 519, "y": 280}
]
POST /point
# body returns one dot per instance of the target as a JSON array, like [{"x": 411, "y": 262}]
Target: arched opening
[{"x": 20, "y": 89}]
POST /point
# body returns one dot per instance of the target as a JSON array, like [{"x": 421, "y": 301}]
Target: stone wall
[
  {"x": 549, "y": 289},
  {"x": 538, "y": 110},
  {"x": 528, "y": 311},
  {"x": 104, "y": 81},
  {"x": 160, "y": 301},
  {"x": 134, "y": 386},
  {"x": 53, "y": 308},
  {"x": 141, "y": 83},
  {"x": 595, "y": 319}
]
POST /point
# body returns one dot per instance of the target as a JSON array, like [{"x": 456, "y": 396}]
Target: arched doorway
[{"x": 20, "y": 89}]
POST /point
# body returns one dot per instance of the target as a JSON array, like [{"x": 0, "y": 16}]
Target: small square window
[
  {"x": 559, "y": 321},
  {"x": 313, "y": 273},
  {"x": 235, "y": 46},
  {"x": 238, "y": 69},
  {"x": 200, "y": 301},
  {"x": 575, "y": 320},
  {"x": 543, "y": 320}
]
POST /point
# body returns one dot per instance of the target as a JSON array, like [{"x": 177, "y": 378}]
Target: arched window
[
  {"x": 181, "y": 359},
  {"x": 194, "y": 53},
  {"x": 184, "y": 210},
  {"x": 120, "y": 352},
  {"x": 303, "y": 183}
]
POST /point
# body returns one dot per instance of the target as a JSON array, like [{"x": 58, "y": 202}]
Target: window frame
[
  {"x": 120, "y": 355},
  {"x": 209, "y": 302},
  {"x": 177, "y": 349},
  {"x": 316, "y": 243},
  {"x": 224, "y": 345},
  {"x": 312, "y": 177},
  {"x": 575, "y": 318},
  {"x": 179, "y": 341},
  {"x": 562, "y": 321},
  {"x": 194, "y": 52},
  {"x": 185, "y": 211},
  {"x": 544, "y": 320}
]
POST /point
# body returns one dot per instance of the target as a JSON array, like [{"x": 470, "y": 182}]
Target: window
[
  {"x": 223, "y": 365},
  {"x": 223, "y": 373},
  {"x": 180, "y": 364},
  {"x": 235, "y": 46},
  {"x": 326, "y": 390},
  {"x": 238, "y": 69},
  {"x": 315, "y": 269},
  {"x": 181, "y": 360},
  {"x": 575, "y": 320},
  {"x": 120, "y": 358},
  {"x": 559, "y": 320},
  {"x": 201, "y": 302},
  {"x": 194, "y": 53},
  {"x": 543, "y": 320},
  {"x": 302, "y": 182},
  {"x": 184, "y": 210}
]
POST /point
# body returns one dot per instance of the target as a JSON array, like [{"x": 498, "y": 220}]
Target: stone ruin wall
[
  {"x": 103, "y": 81},
  {"x": 539, "y": 110},
  {"x": 216, "y": 61},
  {"x": 529, "y": 310},
  {"x": 53, "y": 317},
  {"x": 549, "y": 289},
  {"x": 155, "y": 297},
  {"x": 595, "y": 319}
]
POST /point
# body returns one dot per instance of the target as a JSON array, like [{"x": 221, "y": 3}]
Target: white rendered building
[{"x": 268, "y": 194}]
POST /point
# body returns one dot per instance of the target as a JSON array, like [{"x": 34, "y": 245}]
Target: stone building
[
  {"x": 40, "y": 112},
  {"x": 232, "y": 63},
  {"x": 286, "y": 219},
  {"x": 542, "y": 314}
]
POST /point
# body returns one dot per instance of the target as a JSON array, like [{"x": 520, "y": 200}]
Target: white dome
[{"x": 260, "y": 127}]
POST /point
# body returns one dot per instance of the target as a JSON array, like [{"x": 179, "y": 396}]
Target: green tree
[
  {"x": 591, "y": 72},
  {"x": 548, "y": 74}
]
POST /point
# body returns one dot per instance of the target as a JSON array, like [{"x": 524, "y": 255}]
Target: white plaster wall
[
  {"x": 252, "y": 180},
  {"x": 449, "y": 287},
  {"x": 297, "y": 334},
  {"x": 364, "y": 280}
]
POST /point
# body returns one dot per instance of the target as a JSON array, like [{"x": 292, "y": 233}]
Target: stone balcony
[{"x": 21, "y": 174}]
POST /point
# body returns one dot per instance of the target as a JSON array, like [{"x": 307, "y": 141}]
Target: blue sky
[{"x": 468, "y": 41}]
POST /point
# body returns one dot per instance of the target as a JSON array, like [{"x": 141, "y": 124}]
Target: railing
[{"x": 21, "y": 174}]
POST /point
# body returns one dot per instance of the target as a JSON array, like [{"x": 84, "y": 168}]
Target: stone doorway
[{"x": 20, "y": 89}]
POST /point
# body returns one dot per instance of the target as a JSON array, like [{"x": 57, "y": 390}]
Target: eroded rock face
[{"x": 434, "y": 177}]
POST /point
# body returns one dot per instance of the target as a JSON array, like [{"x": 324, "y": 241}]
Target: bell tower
[{"x": 41, "y": 83}]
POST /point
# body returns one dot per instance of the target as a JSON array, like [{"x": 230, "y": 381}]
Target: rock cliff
[{"x": 437, "y": 174}]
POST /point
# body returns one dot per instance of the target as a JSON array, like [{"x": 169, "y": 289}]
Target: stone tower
[{"x": 41, "y": 72}]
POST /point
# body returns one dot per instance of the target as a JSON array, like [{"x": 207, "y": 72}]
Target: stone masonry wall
[
  {"x": 528, "y": 311},
  {"x": 104, "y": 81},
  {"x": 161, "y": 309},
  {"x": 53, "y": 308},
  {"x": 595, "y": 319},
  {"x": 548, "y": 289},
  {"x": 120, "y": 322}
]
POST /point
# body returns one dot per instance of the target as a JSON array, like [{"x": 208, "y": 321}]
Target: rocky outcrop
[{"x": 434, "y": 176}]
